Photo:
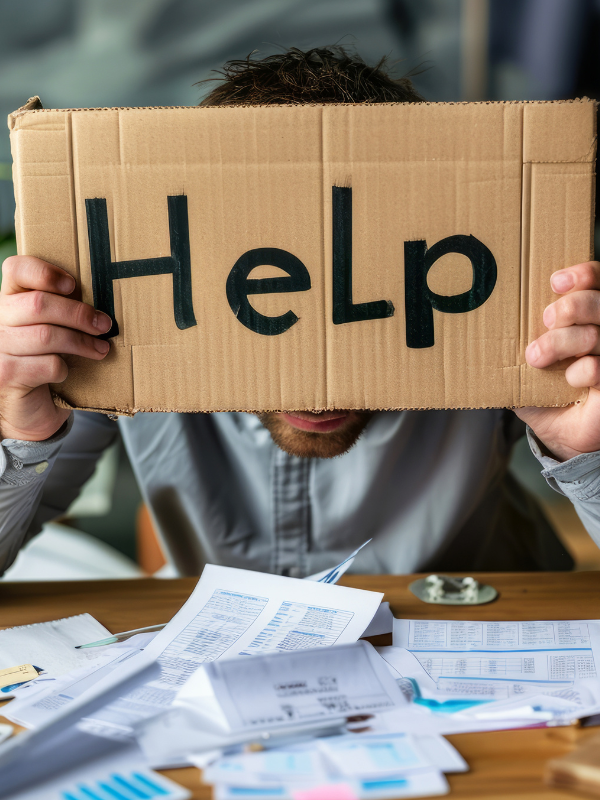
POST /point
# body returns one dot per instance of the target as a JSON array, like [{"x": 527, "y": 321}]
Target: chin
[{"x": 305, "y": 444}]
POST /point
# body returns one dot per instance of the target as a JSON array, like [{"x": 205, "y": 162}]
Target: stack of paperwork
[
  {"x": 475, "y": 676},
  {"x": 361, "y": 767},
  {"x": 261, "y": 681}
]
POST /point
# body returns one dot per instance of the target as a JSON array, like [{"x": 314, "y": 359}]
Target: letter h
[{"x": 105, "y": 271}]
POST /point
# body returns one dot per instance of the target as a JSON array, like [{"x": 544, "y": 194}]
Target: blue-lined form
[
  {"x": 132, "y": 786},
  {"x": 500, "y": 659},
  {"x": 120, "y": 775}
]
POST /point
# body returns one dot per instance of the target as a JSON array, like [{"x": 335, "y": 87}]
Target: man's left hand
[{"x": 573, "y": 323}]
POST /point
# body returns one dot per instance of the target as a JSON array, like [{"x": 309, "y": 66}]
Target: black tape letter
[
  {"x": 420, "y": 300},
  {"x": 344, "y": 310},
  {"x": 105, "y": 271},
  {"x": 239, "y": 286}
]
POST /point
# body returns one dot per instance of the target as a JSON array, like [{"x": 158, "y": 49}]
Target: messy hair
[{"x": 321, "y": 75}]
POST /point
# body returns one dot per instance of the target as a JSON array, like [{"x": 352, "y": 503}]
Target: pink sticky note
[{"x": 329, "y": 791}]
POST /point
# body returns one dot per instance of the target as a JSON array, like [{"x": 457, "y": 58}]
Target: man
[{"x": 264, "y": 492}]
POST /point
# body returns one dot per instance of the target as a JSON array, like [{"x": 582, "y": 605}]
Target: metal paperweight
[{"x": 442, "y": 590}]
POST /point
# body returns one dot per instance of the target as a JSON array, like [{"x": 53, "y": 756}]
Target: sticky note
[
  {"x": 20, "y": 674},
  {"x": 332, "y": 791}
]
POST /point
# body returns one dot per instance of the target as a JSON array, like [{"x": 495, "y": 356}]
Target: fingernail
[
  {"x": 562, "y": 281},
  {"x": 549, "y": 316},
  {"x": 101, "y": 346},
  {"x": 102, "y": 321},
  {"x": 532, "y": 353},
  {"x": 66, "y": 285}
]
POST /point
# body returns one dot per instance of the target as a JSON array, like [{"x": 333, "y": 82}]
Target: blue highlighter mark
[
  {"x": 112, "y": 792},
  {"x": 390, "y": 784},
  {"x": 88, "y": 793},
  {"x": 124, "y": 784},
  {"x": 158, "y": 790}
]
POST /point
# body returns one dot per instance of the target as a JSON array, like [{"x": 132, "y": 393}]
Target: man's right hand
[{"x": 39, "y": 324}]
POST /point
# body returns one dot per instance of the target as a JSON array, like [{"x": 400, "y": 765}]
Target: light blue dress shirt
[{"x": 430, "y": 487}]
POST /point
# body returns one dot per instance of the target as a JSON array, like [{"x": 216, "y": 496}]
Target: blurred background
[{"x": 90, "y": 53}]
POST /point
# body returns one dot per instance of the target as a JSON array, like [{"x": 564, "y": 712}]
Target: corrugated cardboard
[{"x": 518, "y": 177}]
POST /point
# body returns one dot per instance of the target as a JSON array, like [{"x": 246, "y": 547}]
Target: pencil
[{"x": 121, "y": 637}]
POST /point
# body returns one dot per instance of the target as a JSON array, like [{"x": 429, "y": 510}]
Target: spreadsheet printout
[
  {"x": 457, "y": 635},
  {"x": 502, "y": 658},
  {"x": 234, "y": 612}
]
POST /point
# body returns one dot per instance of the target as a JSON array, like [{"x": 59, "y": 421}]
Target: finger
[
  {"x": 34, "y": 340},
  {"x": 20, "y": 273},
  {"x": 578, "y": 308},
  {"x": 31, "y": 371},
  {"x": 580, "y": 276},
  {"x": 35, "y": 307},
  {"x": 585, "y": 372},
  {"x": 556, "y": 345}
]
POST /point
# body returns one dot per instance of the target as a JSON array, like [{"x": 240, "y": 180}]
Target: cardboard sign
[{"x": 310, "y": 257}]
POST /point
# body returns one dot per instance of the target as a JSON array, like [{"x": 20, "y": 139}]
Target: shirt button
[
  {"x": 41, "y": 467},
  {"x": 295, "y": 572}
]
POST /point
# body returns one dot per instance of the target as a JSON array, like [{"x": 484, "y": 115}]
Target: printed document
[
  {"x": 51, "y": 645},
  {"x": 120, "y": 775},
  {"x": 234, "y": 612},
  {"x": 38, "y": 701},
  {"x": 498, "y": 660},
  {"x": 303, "y": 687}
]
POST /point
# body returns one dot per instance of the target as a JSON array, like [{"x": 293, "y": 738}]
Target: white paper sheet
[
  {"x": 475, "y": 658},
  {"x": 302, "y": 765},
  {"x": 428, "y": 783},
  {"x": 51, "y": 645},
  {"x": 303, "y": 687},
  {"x": 382, "y": 622},
  {"x": 374, "y": 757},
  {"x": 39, "y": 701},
  {"x": 333, "y": 575},
  {"x": 427, "y": 635},
  {"x": 238, "y": 612},
  {"x": 332, "y": 758}
]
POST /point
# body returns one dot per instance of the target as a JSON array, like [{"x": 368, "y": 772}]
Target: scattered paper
[
  {"x": 236, "y": 612},
  {"x": 428, "y": 783},
  {"x": 46, "y": 696},
  {"x": 51, "y": 645},
  {"x": 494, "y": 660},
  {"x": 303, "y": 687},
  {"x": 120, "y": 775},
  {"x": 382, "y": 622},
  {"x": 364, "y": 757},
  {"x": 278, "y": 766},
  {"x": 333, "y": 575}
]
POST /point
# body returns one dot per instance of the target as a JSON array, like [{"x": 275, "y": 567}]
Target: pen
[{"x": 121, "y": 637}]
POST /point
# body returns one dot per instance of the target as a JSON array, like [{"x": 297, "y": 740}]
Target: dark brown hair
[{"x": 320, "y": 75}]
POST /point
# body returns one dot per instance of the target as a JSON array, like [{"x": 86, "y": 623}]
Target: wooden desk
[{"x": 503, "y": 764}]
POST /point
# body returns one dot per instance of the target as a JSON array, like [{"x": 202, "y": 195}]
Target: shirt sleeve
[
  {"x": 40, "y": 480},
  {"x": 578, "y": 479}
]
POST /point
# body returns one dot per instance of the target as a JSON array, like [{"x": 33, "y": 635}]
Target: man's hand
[
  {"x": 38, "y": 324},
  {"x": 573, "y": 331}
]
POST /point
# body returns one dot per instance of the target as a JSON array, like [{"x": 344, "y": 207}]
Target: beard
[{"x": 306, "y": 444}]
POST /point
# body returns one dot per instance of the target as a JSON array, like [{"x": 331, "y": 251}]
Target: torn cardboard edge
[{"x": 82, "y": 164}]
